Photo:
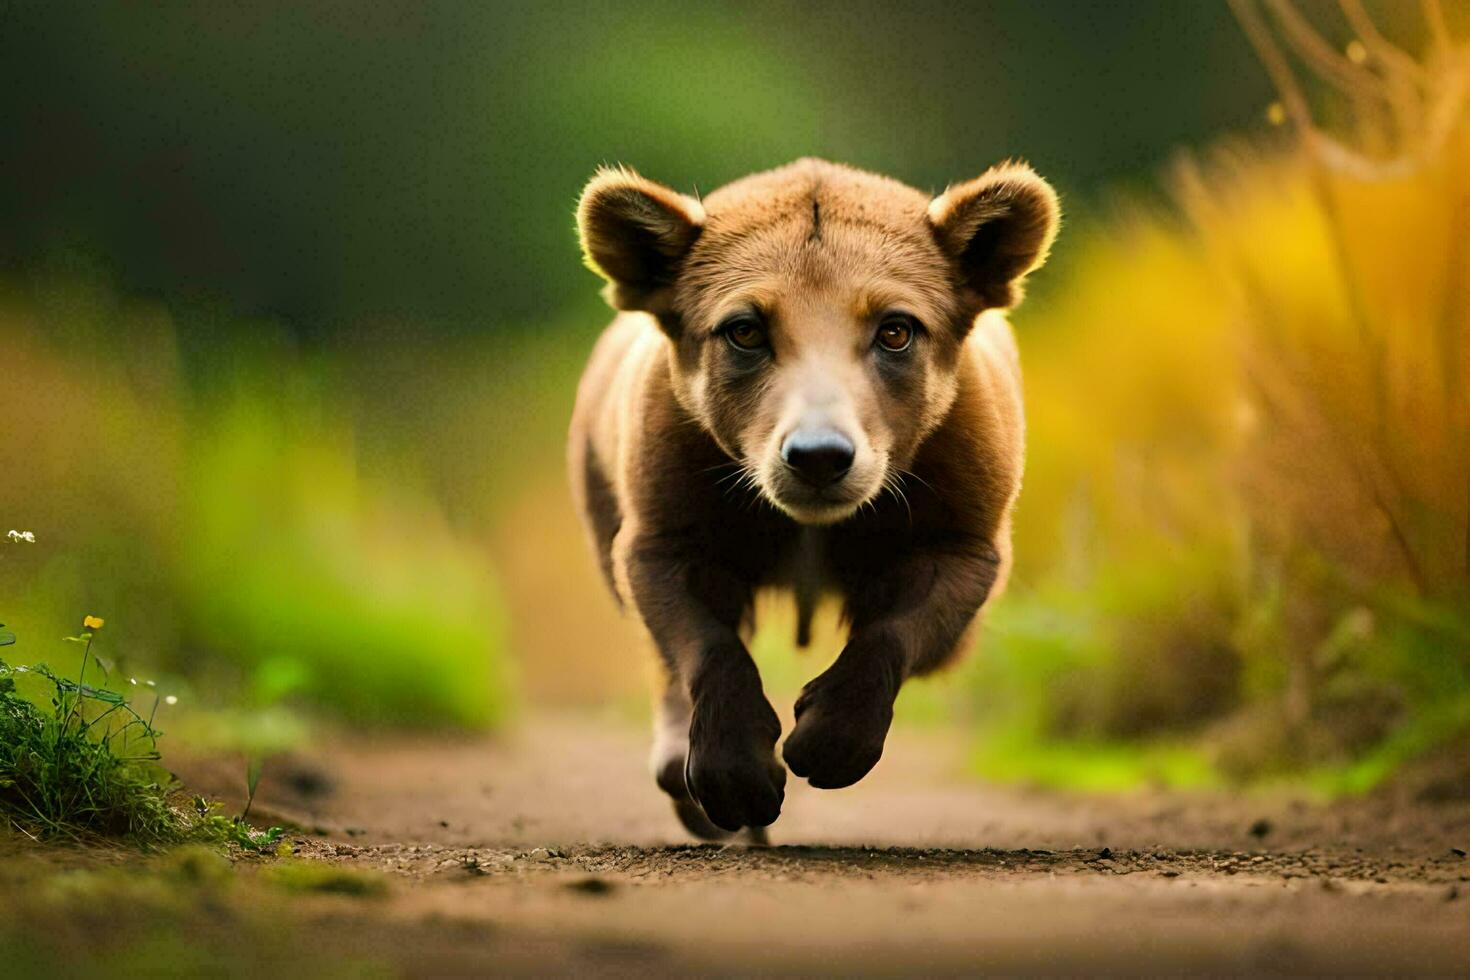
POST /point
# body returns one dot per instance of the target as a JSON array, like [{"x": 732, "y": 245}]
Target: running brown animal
[{"x": 811, "y": 385}]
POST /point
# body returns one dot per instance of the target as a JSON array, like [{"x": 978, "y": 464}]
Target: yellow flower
[{"x": 93, "y": 622}]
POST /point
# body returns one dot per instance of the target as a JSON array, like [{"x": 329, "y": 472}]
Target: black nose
[{"x": 821, "y": 457}]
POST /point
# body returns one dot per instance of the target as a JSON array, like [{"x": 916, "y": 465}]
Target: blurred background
[{"x": 292, "y": 313}]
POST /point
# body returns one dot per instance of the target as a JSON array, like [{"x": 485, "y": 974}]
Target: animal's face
[{"x": 817, "y": 313}]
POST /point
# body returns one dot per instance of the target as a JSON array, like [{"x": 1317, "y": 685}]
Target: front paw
[
  {"x": 732, "y": 770},
  {"x": 842, "y": 719}
]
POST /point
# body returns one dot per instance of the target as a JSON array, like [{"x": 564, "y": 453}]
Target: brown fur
[{"x": 680, "y": 441}]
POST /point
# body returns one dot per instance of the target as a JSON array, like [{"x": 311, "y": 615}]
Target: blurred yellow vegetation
[{"x": 1247, "y": 508}]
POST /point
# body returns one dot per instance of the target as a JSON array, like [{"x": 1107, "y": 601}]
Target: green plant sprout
[{"x": 253, "y": 769}]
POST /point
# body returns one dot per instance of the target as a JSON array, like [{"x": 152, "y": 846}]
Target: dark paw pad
[
  {"x": 737, "y": 787},
  {"x": 732, "y": 770},
  {"x": 842, "y": 721}
]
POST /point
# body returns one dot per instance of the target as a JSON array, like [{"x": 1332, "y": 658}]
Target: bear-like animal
[{"x": 811, "y": 384}]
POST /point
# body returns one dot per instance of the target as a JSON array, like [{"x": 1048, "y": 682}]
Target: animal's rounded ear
[
  {"x": 635, "y": 233},
  {"x": 997, "y": 228}
]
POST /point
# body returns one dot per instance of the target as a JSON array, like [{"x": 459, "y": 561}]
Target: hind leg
[{"x": 673, "y": 712}]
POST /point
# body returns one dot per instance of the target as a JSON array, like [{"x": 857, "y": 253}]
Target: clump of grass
[
  {"x": 182, "y": 912},
  {"x": 317, "y": 876},
  {"x": 89, "y": 766},
  {"x": 210, "y": 824},
  {"x": 197, "y": 864}
]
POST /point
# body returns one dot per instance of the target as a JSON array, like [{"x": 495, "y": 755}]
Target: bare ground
[{"x": 552, "y": 851}]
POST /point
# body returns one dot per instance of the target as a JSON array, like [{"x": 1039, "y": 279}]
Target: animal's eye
[
  {"x": 744, "y": 332},
  {"x": 895, "y": 333}
]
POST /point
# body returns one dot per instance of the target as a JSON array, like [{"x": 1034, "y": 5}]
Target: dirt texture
[{"x": 551, "y": 850}]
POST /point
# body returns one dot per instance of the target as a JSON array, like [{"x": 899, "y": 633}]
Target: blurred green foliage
[
  {"x": 222, "y": 520},
  {"x": 323, "y": 584}
]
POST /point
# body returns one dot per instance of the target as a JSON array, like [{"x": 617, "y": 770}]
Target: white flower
[
  {"x": 29, "y": 537},
  {"x": 171, "y": 699}
]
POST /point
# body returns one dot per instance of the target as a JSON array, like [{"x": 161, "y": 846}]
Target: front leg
[
  {"x": 693, "y": 608},
  {"x": 732, "y": 770},
  {"x": 907, "y": 619}
]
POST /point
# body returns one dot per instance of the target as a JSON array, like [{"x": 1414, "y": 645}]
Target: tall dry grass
[
  {"x": 1348, "y": 270},
  {"x": 1346, "y": 264},
  {"x": 1247, "y": 511}
]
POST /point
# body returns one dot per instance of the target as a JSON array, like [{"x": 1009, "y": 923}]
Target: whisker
[
  {"x": 926, "y": 483},
  {"x": 736, "y": 475},
  {"x": 892, "y": 485}
]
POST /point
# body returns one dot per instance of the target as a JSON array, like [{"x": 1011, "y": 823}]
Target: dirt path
[{"x": 552, "y": 850}]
